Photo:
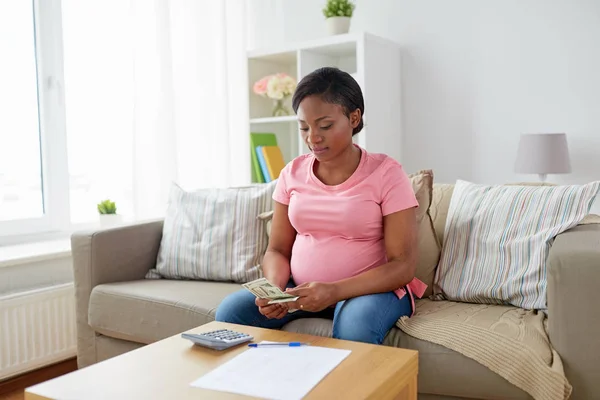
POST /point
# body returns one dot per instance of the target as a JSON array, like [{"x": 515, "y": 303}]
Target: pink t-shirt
[{"x": 340, "y": 228}]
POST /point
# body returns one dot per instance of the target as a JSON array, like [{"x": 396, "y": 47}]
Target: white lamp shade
[{"x": 543, "y": 153}]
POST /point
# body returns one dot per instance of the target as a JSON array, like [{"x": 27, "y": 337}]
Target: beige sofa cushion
[
  {"x": 441, "y": 370},
  {"x": 145, "y": 311},
  {"x": 429, "y": 247},
  {"x": 442, "y": 194}
]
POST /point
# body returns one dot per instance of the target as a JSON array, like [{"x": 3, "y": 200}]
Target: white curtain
[
  {"x": 189, "y": 74},
  {"x": 178, "y": 98}
]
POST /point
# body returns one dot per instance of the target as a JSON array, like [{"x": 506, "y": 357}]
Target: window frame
[{"x": 47, "y": 23}]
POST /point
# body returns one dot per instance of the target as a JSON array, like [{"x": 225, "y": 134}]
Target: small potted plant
[
  {"x": 108, "y": 214},
  {"x": 276, "y": 87},
  {"x": 338, "y": 14}
]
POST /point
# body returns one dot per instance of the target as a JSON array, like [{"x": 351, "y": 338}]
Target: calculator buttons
[{"x": 218, "y": 339}]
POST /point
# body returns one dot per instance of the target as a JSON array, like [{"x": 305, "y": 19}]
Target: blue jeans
[{"x": 362, "y": 319}]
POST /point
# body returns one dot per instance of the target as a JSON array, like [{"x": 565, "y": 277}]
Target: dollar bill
[{"x": 264, "y": 289}]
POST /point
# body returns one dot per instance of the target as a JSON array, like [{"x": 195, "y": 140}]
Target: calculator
[{"x": 220, "y": 339}]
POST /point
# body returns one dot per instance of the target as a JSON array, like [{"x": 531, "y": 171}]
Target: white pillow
[
  {"x": 497, "y": 239},
  {"x": 214, "y": 234}
]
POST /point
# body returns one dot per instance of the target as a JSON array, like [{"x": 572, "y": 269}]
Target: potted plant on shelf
[
  {"x": 338, "y": 14},
  {"x": 277, "y": 87},
  {"x": 108, "y": 214}
]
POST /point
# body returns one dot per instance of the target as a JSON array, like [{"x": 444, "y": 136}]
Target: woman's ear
[{"x": 355, "y": 118}]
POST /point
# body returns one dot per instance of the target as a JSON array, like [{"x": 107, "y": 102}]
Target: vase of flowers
[
  {"x": 338, "y": 14},
  {"x": 277, "y": 87}
]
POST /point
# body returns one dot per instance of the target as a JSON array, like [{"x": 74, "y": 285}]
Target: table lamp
[{"x": 543, "y": 154}]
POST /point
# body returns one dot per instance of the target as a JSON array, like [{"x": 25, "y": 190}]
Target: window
[
  {"x": 54, "y": 169},
  {"x": 98, "y": 67},
  {"x": 21, "y": 177},
  {"x": 110, "y": 100},
  {"x": 33, "y": 164}
]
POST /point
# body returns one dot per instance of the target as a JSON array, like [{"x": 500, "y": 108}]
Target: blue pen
[{"x": 288, "y": 344}]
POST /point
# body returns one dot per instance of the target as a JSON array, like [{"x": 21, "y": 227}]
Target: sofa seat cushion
[
  {"x": 146, "y": 311},
  {"x": 441, "y": 371}
]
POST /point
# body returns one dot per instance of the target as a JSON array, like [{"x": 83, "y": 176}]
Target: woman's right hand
[{"x": 271, "y": 311}]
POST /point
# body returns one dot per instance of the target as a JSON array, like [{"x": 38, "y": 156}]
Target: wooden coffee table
[{"x": 165, "y": 369}]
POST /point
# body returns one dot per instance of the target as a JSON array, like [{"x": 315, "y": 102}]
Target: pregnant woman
[{"x": 344, "y": 233}]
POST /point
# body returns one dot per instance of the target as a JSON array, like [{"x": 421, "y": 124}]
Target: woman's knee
[
  {"x": 355, "y": 324},
  {"x": 237, "y": 308},
  {"x": 357, "y": 332},
  {"x": 368, "y": 318}
]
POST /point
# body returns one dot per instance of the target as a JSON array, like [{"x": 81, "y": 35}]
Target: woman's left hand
[{"x": 314, "y": 296}]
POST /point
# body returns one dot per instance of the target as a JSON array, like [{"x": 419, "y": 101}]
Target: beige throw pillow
[{"x": 429, "y": 246}]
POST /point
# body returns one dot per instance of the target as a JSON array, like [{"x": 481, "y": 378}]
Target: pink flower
[
  {"x": 260, "y": 87},
  {"x": 276, "y": 86}
]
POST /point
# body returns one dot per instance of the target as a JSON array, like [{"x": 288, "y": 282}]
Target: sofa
[{"x": 119, "y": 310}]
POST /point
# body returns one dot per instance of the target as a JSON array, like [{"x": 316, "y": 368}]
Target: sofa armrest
[
  {"x": 112, "y": 255},
  {"x": 573, "y": 312}
]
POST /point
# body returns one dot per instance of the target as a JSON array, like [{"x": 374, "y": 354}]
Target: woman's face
[{"x": 325, "y": 129}]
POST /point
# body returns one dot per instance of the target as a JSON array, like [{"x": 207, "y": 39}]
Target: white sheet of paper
[{"x": 278, "y": 373}]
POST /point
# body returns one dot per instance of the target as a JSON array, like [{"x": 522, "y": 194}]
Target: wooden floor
[
  {"x": 13, "y": 388},
  {"x": 16, "y": 395}
]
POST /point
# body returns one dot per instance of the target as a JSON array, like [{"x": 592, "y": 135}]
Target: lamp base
[{"x": 542, "y": 177}]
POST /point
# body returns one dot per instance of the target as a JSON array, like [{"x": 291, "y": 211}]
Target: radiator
[{"x": 37, "y": 328}]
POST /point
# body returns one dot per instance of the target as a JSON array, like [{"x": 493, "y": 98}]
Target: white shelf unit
[{"x": 373, "y": 61}]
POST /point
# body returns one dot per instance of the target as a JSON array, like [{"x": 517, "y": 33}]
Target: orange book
[{"x": 274, "y": 160}]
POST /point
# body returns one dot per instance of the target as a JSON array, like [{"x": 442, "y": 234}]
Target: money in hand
[{"x": 264, "y": 289}]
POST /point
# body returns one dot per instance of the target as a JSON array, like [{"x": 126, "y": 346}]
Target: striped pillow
[
  {"x": 214, "y": 234},
  {"x": 497, "y": 239}
]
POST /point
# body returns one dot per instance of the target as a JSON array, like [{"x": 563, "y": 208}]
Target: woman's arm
[
  {"x": 400, "y": 232},
  {"x": 276, "y": 262}
]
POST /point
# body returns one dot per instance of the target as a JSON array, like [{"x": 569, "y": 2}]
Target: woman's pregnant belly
[{"x": 333, "y": 258}]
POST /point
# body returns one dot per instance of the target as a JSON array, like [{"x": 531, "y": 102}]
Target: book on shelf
[
  {"x": 263, "y": 164},
  {"x": 259, "y": 139},
  {"x": 273, "y": 160},
  {"x": 270, "y": 160}
]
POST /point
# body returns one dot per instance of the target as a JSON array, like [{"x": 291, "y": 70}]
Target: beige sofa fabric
[
  {"x": 573, "y": 308},
  {"x": 429, "y": 247},
  {"x": 442, "y": 194},
  {"x": 108, "y": 347},
  {"x": 145, "y": 311},
  {"x": 441, "y": 370},
  {"x": 113, "y": 255},
  {"x": 508, "y": 340}
]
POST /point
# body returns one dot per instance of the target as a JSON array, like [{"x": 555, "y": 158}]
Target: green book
[{"x": 259, "y": 139}]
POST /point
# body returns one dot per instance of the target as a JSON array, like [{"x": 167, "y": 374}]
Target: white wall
[{"x": 476, "y": 74}]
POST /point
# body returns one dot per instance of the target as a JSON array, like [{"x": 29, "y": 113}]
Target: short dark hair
[{"x": 334, "y": 86}]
